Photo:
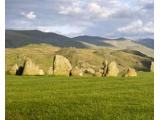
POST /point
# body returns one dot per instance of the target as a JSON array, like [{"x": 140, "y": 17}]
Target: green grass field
[{"x": 75, "y": 98}]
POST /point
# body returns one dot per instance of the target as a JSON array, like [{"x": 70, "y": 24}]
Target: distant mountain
[
  {"x": 119, "y": 43},
  {"x": 15, "y": 38},
  {"x": 18, "y": 38},
  {"x": 148, "y": 42},
  {"x": 131, "y": 45},
  {"x": 95, "y": 40}
]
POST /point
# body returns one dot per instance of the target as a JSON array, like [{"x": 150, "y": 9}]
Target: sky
[{"x": 106, "y": 18}]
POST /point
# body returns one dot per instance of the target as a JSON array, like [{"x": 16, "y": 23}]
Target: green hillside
[
  {"x": 20, "y": 38},
  {"x": 130, "y": 45},
  {"x": 42, "y": 54}
]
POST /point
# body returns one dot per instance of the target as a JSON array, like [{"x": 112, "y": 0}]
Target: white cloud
[
  {"x": 94, "y": 7},
  {"x": 69, "y": 10},
  {"x": 137, "y": 27},
  {"x": 132, "y": 27},
  {"x": 43, "y": 29},
  {"x": 68, "y": 30},
  {"x": 85, "y": 16},
  {"x": 149, "y": 27},
  {"x": 99, "y": 10},
  {"x": 29, "y": 15},
  {"x": 86, "y": 9},
  {"x": 73, "y": 8}
]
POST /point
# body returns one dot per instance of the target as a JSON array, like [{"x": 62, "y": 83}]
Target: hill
[
  {"x": 15, "y": 39},
  {"x": 131, "y": 45},
  {"x": 43, "y": 54},
  {"x": 93, "y": 40},
  {"x": 148, "y": 42}
]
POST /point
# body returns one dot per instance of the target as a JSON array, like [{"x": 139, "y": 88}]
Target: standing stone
[
  {"x": 61, "y": 65},
  {"x": 152, "y": 67},
  {"x": 112, "y": 69},
  {"x": 131, "y": 73},
  {"x": 41, "y": 72},
  {"x": 98, "y": 74},
  {"x": 76, "y": 72},
  {"x": 30, "y": 68},
  {"x": 105, "y": 68},
  {"x": 50, "y": 71},
  {"x": 13, "y": 70},
  {"x": 89, "y": 71}
]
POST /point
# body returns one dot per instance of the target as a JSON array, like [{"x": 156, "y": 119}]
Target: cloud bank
[{"x": 107, "y": 18}]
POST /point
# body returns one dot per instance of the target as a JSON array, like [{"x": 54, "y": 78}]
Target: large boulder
[
  {"x": 41, "y": 72},
  {"x": 50, "y": 71},
  {"x": 131, "y": 73},
  {"x": 112, "y": 69},
  {"x": 76, "y": 72},
  {"x": 61, "y": 65},
  {"x": 152, "y": 67},
  {"x": 13, "y": 70},
  {"x": 98, "y": 74},
  {"x": 105, "y": 63},
  {"x": 86, "y": 65},
  {"x": 90, "y": 71},
  {"x": 30, "y": 68},
  {"x": 87, "y": 68}
]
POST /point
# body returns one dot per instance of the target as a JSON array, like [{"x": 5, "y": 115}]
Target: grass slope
[
  {"x": 42, "y": 55},
  {"x": 131, "y": 45},
  {"x": 86, "y": 98},
  {"x": 19, "y": 38}
]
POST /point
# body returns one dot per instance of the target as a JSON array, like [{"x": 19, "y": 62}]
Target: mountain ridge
[
  {"x": 148, "y": 42},
  {"x": 19, "y": 38}
]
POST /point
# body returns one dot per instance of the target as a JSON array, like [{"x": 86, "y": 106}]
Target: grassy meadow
[{"x": 80, "y": 98}]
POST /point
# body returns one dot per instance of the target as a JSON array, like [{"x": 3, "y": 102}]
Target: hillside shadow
[
  {"x": 98, "y": 41},
  {"x": 16, "y": 39}
]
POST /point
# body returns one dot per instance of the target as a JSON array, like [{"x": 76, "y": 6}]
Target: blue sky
[{"x": 107, "y": 18}]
